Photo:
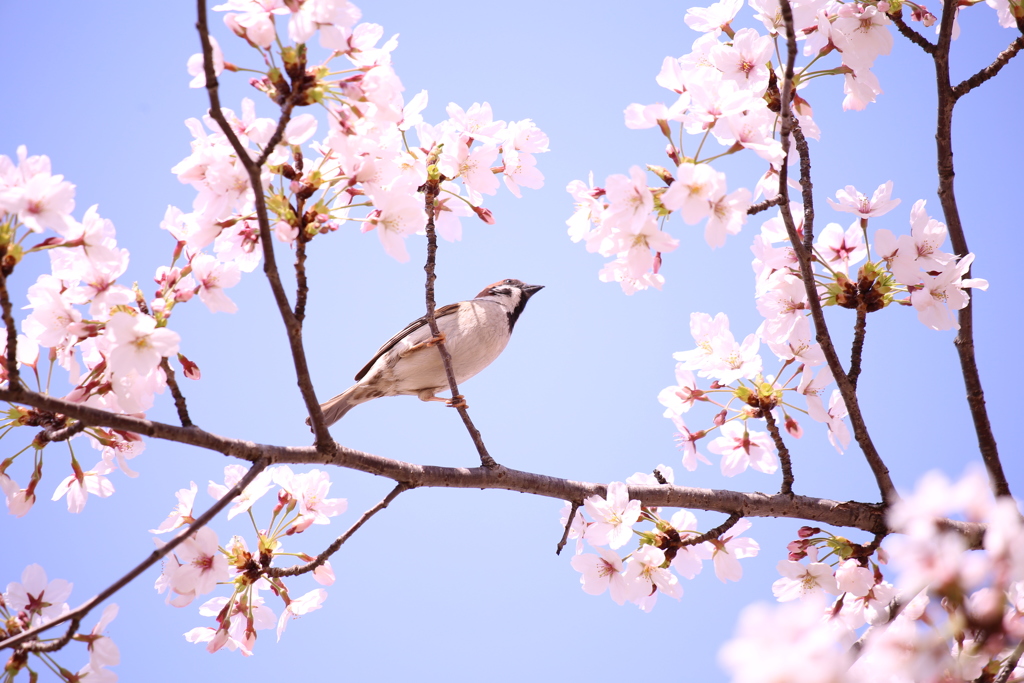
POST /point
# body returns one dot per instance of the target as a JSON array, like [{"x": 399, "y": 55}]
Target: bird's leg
[{"x": 433, "y": 341}]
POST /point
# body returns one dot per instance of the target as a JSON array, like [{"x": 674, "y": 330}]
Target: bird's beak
[{"x": 532, "y": 289}]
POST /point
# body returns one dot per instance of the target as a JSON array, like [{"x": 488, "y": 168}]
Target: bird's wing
[{"x": 409, "y": 329}]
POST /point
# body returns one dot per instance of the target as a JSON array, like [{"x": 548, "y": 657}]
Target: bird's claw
[
  {"x": 441, "y": 338},
  {"x": 457, "y": 401}
]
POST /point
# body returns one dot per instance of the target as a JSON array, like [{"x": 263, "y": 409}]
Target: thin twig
[
  {"x": 179, "y": 398},
  {"x": 780, "y": 445},
  {"x": 319, "y": 560},
  {"x": 989, "y": 71},
  {"x": 763, "y": 206},
  {"x": 301, "y": 285},
  {"x": 64, "y": 433},
  {"x": 910, "y": 34},
  {"x": 802, "y": 249},
  {"x": 79, "y": 612},
  {"x": 292, "y": 325},
  {"x": 58, "y": 644},
  {"x": 431, "y": 189},
  {"x": 964, "y": 341},
  {"x": 568, "y": 525},
  {"x": 857, "y": 350},
  {"x": 1010, "y": 664},
  {"x": 714, "y": 533}
]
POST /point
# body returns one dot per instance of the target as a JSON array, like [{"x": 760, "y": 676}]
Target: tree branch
[
  {"x": 791, "y": 126},
  {"x": 77, "y": 614},
  {"x": 763, "y": 206},
  {"x": 13, "y": 380},
  {"x": 292, "y": 325},
  {"x": 857, "y": 351},
  {"x": 430, "y": 191},
  {"x": 575, "y": 505},
  {"x": 319, "y": 560},
  {"x": 989, "y": 71},
  {"x": 179, "y": 398},
  {"x": 964, "y": 341},
  {"x": 714, "y": 533},
  {"x": 780, "y": 445},
  {"x": 910, "y": 34},
  {"x": 866, "y": 516}
]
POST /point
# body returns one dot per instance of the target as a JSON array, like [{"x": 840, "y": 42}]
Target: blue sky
[{"x": 464, "y": 585}]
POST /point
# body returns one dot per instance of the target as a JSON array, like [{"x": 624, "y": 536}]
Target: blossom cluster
[
  {"x": 199, "y": 564},
  {"x": 726, "y": 88},
  {"x": 113, "y": 341},
  {"x": 34, "y": 601},
  {"x": 953, "y": 613},
  {"x": 672, "y": 548}
]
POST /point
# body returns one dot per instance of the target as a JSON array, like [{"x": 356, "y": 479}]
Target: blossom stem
[{"x": 780, "y": 445}]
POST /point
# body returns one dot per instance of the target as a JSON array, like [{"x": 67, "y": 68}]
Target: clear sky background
[{"x": 464, "y": 585}]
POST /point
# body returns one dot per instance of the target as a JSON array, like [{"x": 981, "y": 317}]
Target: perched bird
[{"x": 475, "y": 332}]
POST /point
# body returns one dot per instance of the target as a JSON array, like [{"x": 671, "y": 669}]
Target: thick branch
[
  {"x": 431, "y": 189},
  {"x": 76, "y": 615},
  {"x": 292, "y": 325},
  {"x": 803, "y": 253},
  {"x": 319, "y": 560},
  {"x": 866, "y": 516},
  {"x": 947, "y": 197}
]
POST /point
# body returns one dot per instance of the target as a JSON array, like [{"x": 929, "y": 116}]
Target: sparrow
[{"x": 475, "y": 332}]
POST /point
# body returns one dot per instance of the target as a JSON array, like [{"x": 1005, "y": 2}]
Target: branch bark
[
  {"x": 964, "y": 341},
  {"x": 292, "y": 325}
]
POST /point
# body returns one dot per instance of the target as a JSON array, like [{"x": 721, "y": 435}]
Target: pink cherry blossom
[
  {"x": 602, "y": 572},
  {"x": 40, "y": 199},
  {"x": 253, "y": 19},
  {"x": 182, "y": 512},
  {"x": 942, "y": 295},
  {"x": 256, "y": 489},
  {"x": 199, "y": 567},
  {"x": 745, "y": 60},
  {"x": 645, "y": 575},
  {"x": 852, "y": 201},
  {"x": 680, "y": 398},
  {"x": 728, "y": 550},
  {"x": 613, "y": 516},
  {"x": 299, "y": 607},
  {"x": 399, "y": 214},
  {"x": 838, "y": 432},
  {"x": 693, "y": 190},
  {"x": 196, "y": 65},
  {"x": 687, "y": 442},
  {"x": 477, "y": 122},
  {"x": 741, "y": 449},
  {"x": 78, "y": 487},
  {"x": 841, "y": 249},
  {"x": 521, "y": 170},
  {"x": 800, "y": 580},
  {"x": 137, "y": 344},
  {"x": 630, "y": 201},
  {"x": 102, "y": 650},
  {"x": 712, "y": 19},
  {"x": 213, "y": 278},
  {"x": 42, "y": 600}
]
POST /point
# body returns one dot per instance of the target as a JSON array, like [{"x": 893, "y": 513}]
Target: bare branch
[
  {"x": 319, "y": 560},
  {"x": 76, "y": 615},
  {"x": 179, "y": 398},
  {"x": 714, "y": 533},
  {"x": 866, "y": 516},
  {"x": 910, "y": 34},
  {"x": 1010, "y": 664},
  {"x": 780, "y": 445},
  {"x": 64, "y": 433},
  {"x": 430, "y": 191},
  {"x": 989, "y": 71},
  {"x": 292, "y": 325},
  {"x": 802, "y": 249},
  {"x": 58, "y": 644},
  {"x": 964, "y": 341},
  {"x": 857, "y": 351},
  {"x": 763, "y": 206},
  {"x": 13, "y": 380},
  {"x": 568, "y": 525}
]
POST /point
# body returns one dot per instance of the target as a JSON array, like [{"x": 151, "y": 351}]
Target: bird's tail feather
[{"x": 336, "y": 408}]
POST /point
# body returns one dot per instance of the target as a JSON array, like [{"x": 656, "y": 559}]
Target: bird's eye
[{"x": 508, "y": 282}]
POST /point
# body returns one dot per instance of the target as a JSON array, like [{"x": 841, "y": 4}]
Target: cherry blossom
[
  {"x": 213, "y": 278},
  {"x": 727, "y": 551},
  {"x": 42, "y": 600},
  {"x": 800, "y": 580},
  {"x": 182, "y": 512},
  {"x": 852, "y": 201},
  {"x": 137, "y": 344},
  {"x": 741, "y": 449},
  {"x": 256, "y": 489},
  {"x": 645, "y": 577},
  {"x": 79, "y": 485},
  {"x": 300, "y": 606},
  {"x": 602, "y": 572},
  {"x": 613, "y": 517}
]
